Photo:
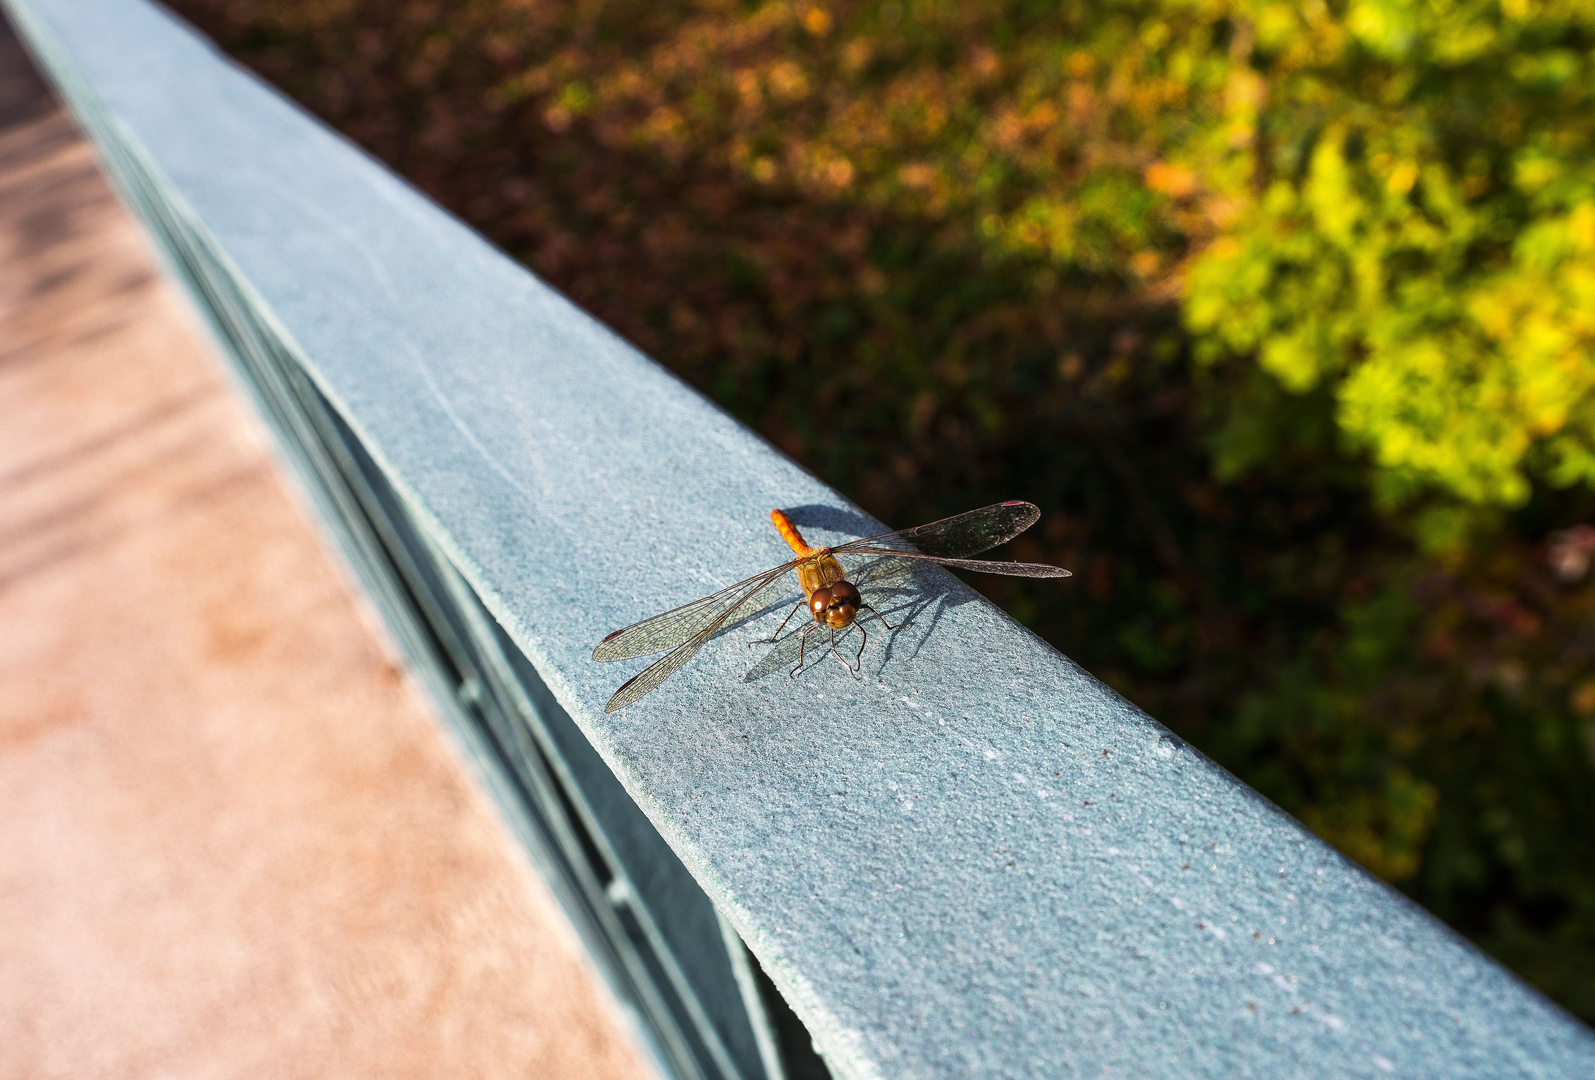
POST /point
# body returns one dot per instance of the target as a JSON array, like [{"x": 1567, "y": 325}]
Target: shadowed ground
[{"x": 233, "y": 842}]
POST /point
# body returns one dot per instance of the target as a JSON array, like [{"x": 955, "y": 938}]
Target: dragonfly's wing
[
  {"x": 984, "y": 566},
  {"x": 878, "y": 571},
  {"x": 669, "y": 629},
  {"x": 643, "y": 683},
  {"x": 955, "y": 537}
]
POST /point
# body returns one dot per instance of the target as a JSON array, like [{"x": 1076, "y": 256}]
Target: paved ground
[{"x": 233, "y": 843}]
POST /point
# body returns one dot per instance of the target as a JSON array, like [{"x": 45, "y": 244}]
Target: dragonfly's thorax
[{"x": 818, "y": 570}]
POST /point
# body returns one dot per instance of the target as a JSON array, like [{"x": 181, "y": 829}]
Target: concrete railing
[{"x": 978, "y": 861}]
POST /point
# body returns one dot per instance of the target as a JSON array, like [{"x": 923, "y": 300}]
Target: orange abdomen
[{"x": 789, "y": 533}]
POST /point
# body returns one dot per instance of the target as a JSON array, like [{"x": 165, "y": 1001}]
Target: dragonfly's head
[{"x": 835, "y": 605}]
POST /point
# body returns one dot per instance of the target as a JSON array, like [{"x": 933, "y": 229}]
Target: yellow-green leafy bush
[{"x": 1414, "y": 223}]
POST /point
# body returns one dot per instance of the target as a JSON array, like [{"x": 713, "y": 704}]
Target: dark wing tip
[
  {"x": 615, "y": 704},
  {"x": 619, "y": 699},
  {"x": 599, "y": 648},
  {"x": 1031, "y": 515}
]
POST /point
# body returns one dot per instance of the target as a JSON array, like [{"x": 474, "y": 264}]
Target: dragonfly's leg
[
  {"x": 838, "y": 655},
  {"x": 878, "y": 615},
  {"x": 803, "y": 641},
  {"x": 863, "y": 639},
  {"x": 771, "y": 640}
]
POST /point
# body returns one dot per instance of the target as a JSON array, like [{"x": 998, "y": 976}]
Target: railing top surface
[{"x": 977, "y": 861}]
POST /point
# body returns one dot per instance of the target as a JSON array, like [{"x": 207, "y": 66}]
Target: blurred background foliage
[{"x": 1283, "y": 312}]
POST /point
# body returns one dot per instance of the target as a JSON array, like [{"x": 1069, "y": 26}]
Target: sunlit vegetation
[{"x": 1283, "y": 312}]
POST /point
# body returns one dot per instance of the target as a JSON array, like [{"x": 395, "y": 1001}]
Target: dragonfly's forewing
[
  {"x": 670, "y": 628},
  {"x": 958, "y": 536}
]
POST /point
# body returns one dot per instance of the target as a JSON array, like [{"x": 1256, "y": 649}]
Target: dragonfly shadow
[
  {"x": 902, "y": 590},
  {"x": 781, "y": 604},
  {"x": 833, "y": 519}
]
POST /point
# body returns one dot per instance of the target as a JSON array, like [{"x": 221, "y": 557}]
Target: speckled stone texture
[
  {"x": 233, "y": 842},
  {"x": 977, "y": 861}
]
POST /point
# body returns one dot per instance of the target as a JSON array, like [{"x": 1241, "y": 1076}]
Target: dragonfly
[{"x": 834, "y": 602}]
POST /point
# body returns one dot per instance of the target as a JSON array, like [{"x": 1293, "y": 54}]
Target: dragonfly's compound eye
[
  {"x": 844, "y": 604},
  {"x": 819, "y": 601}
]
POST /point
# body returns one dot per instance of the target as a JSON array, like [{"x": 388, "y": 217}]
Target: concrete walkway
[{"x": 233, "y": 842}]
